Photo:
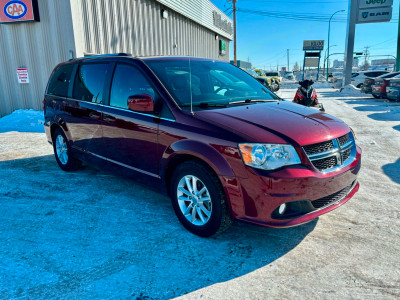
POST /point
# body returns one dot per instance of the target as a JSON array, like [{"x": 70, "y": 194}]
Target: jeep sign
[
  {"x": 373, "y": 15},
  {"x": 375, "y": 3}
]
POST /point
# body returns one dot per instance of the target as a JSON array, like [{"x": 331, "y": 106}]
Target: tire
[
  {"x": 359, "y": 86},
  {"x": 201, "y": 217},
  {"x": 63, "y": 152},
  {"x": 375, "y": 96}
]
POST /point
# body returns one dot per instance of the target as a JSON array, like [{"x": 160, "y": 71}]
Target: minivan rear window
[
  {"x": 59, "y": 82},
  {"x": 89, "y": 82}
]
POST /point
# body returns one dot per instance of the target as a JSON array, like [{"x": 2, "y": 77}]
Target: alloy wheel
[
  {"x": 62, "y": 149},
  {"x": 194, "y": 200}
]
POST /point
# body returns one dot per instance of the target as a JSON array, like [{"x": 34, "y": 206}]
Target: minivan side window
[
  {"x": 89, "y": 82},
  {"x": 128, "y": 81},
  {"x": 59, "y": 82}
]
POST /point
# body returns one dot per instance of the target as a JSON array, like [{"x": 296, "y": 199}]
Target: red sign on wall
[{"x": 18, "y": 11}]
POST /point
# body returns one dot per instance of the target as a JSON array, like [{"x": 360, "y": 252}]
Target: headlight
[{"x": 268, "y": 156}]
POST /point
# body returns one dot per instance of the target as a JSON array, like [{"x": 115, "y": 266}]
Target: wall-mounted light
[
  {"x": 164, "y": 14},
  {"x": 71, "y": 54},
  {"x": 216, "y": 37}
]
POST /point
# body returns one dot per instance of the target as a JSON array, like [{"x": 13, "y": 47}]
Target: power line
[{"x": 289, "y": 16}]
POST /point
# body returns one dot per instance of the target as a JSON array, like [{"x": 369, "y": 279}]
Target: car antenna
[{"x": 190, "y": 87}]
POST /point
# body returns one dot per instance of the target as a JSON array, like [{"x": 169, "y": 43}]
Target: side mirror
[{"x": 141, "y": 103}]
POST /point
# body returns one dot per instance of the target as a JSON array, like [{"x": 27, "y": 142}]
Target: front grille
[
  {"x": 343, "y": 139},
  {"x": 346, "y": 154},
  {"x": 325, "y": 163},
  {"x": 331, "y": 154},
  {"x": 328, "y": 200},
  {"x": 318, "y": 148}
]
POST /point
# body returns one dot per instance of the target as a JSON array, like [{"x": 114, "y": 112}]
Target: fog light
[{"x": 282, "y": 208}]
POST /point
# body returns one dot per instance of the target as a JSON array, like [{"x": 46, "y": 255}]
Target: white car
[{"x": 357, "y": 79}]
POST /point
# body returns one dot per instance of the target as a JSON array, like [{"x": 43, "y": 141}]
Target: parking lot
[{"x": 90, "y": 234}]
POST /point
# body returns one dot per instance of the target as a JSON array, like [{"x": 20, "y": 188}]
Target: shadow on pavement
[
  {"x": 397, "y": 127},
  {"x": 90, "y": 234},
  {"x": 392, "y": 170}
]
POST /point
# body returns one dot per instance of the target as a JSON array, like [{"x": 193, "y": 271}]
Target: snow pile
[
  {"x": 350, "y": 90},
  {"x": 23, "y": 120},
  {"x": 322, "y": 84}
]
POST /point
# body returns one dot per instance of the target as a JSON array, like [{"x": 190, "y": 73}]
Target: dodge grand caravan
[{"x": 206, "y": 133}]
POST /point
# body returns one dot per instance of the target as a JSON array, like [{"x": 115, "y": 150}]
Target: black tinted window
[
  {"x": 89, "y": 82},
  {"x": 60, "y": 80},
  {"x": 128, "y": 81}
]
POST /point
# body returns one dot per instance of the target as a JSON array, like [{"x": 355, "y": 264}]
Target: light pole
[
  {"x": 329, "y": 32},
  {"x": 326, "y": 56}
]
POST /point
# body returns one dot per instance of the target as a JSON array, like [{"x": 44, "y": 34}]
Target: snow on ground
[
  {"x": 21, "y": 120},
  {"x": 89, "y": 234}
]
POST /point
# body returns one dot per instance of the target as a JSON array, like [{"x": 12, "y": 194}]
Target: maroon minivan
[{"x": 205, "y": 132}]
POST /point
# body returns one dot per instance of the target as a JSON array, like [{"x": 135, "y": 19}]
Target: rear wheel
[
  {"x": 63, "y": 152},
  {"x": 360, "y": 86},
  {"x": 199, "y": 200}
]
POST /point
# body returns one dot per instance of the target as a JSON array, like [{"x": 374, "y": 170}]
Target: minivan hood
[{"x": 288, "y": 121}]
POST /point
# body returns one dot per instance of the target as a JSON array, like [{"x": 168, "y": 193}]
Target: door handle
[
  {"x": 108, "y": 118},
  {"x": 95, "y": 116}
]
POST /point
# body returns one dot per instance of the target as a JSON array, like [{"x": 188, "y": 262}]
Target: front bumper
[
  {"x": 393, "y": 93},
  {"x": 258, "y": 197},
  {"x": 366, "y": 89}
]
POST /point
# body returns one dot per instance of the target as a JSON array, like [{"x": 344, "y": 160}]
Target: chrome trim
[
  {"x": 123, "y": 109},
  {"x": 338, "y": 152},
  {"x": 124, "y": 165}
]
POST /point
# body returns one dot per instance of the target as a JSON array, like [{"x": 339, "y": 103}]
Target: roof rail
[{"x": 101, "y": 55}]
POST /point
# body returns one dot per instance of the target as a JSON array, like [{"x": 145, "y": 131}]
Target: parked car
[
  {"x": 393, "y": 89},
  {"x": 204, "y": 132},
  {"x": 379, "y": 87},
  {"x": 290, "y": 76},
  {"x": 370, "y": 81},
  {"x": 357, "y": 79},
  {"x": 274, "y": 75},
  {"x": 261, "y": 73},
  {"x": 273, "y": 87},
  {"x": 250, "y": 71}
]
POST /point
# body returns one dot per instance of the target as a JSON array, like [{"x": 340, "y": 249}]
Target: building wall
[
  {"x": 137, "y": 27},
  {"x": 39, "y": 46}
]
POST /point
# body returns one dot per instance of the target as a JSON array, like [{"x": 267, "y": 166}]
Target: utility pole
[
  {"x": 366, "y": 58},
  {"x": 234, "y": 32},
  {"x": 288, "y": 61}
]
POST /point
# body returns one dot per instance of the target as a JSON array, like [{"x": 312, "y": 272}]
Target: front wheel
[{"x": 199, "y": 200}]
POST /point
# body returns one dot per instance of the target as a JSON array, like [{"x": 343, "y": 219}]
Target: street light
[
  {"x": 329, "y": 32},
  {"x": 326, "y": 56}
]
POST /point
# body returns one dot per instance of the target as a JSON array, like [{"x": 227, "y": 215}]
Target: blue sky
[{"x": 265, "y": 40}]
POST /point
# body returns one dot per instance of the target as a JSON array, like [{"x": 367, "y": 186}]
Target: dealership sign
[
  {"x": 313, "y": 45},
  {"x": 223, "y": 24},
  {"x": 371, "y": 11},
  {"x": 383, "y": 14},
  {"x": 12, "y": 11},
  {"x": 374, "y": 3}
]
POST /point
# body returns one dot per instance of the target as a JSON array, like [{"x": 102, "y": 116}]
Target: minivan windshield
[{"x": 208, "y": 83}]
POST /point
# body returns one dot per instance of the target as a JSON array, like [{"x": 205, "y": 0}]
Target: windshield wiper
[
  {"x": 204, "y": 105},
  {"x": 252, "y": 101}
]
